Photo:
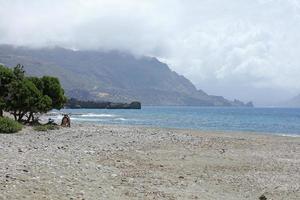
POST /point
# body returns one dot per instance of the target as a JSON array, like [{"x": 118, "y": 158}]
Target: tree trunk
[
  {"x": 21, "y": 115},
  {"x": 15, "y": 115},
  {"x": 30, "y": 117}
]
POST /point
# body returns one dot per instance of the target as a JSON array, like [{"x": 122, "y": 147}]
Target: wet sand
[{"x": 129, "y": 162}]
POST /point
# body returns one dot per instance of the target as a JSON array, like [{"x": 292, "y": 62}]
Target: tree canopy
[{"x": 25, "y": 97}]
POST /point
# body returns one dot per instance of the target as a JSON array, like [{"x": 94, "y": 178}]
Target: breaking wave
[{"x": 97, "y": 115}]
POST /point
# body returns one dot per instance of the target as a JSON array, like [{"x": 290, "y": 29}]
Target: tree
[
  {"x": 25, "y": 97},
  {"x": 19, "y": 72},
  {"x": 6, "y": 77},
  {"x": 42, "y": 104},
  {"x": 53, "y": 89},
  {"x": 37, "y": 82}
]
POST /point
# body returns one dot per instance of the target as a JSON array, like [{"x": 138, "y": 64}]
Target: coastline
[{"x": 89, "y": 161}]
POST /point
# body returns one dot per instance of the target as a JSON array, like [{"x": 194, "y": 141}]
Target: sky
[{"x": 248, "y": 50}]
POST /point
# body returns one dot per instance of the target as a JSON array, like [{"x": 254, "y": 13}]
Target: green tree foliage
[
  {"x": 37, "y": 82},
  {"x": 53, "y": 89},
  {"x": 24, "y": 97},
  {"x": 19, "y": 72},
  {"x": 22, "y": 94},
  {"x": 6, "y": 77},
  {"x": 26, "y": 100}
]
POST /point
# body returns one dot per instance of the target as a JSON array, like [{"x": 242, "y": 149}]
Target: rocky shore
[{"x": 125, "y": 162}]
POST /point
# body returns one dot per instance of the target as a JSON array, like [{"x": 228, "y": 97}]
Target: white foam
[
  {"x": 87, "y": 120},
  {"x": 289, "y": 135},
  {"x": 121, "y": 119},
  {"x": 53, "y": 113},
  {"x": 97, "y": 115}
]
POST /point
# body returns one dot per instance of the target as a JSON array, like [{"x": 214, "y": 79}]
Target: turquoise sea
[{"x": 281, "y": 121}]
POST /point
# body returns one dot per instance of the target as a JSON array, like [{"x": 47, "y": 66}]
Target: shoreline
[
  {"x": 257, "y": 120},
  {"x": 89, "y": 161},
  {"x": 297, "y": 135}
]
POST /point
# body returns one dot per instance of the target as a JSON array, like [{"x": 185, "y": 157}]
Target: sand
[{"x": 124, "y": 162}]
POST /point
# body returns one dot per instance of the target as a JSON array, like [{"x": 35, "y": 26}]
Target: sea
[{"x": 278, "y": 121}]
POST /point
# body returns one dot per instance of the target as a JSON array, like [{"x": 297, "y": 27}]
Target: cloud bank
[{"x": 248, "y": 50}]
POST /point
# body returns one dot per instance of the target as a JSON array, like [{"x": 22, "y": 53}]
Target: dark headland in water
[{"x": 77, "y": 104}]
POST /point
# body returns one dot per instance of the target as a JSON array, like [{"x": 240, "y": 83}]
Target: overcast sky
[{"x": 236, "y": 48}]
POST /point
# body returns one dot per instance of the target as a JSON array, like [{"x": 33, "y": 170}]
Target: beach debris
[
  {"x": 63, "y": 147},
  {"x": 51, "y": 122},
  {"x": 9, "y": 177},
  {"x": 222, "y": 151},
  {"x": 262, "y": 197},
  {"x": 114, "y": 175}
]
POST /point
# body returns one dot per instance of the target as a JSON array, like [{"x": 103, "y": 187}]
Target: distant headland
[{"x": 78, "y": 104}]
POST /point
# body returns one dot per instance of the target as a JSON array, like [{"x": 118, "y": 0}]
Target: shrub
[
  {"x": 45, "y": 127},
  {"x": 8, "y": 125}
]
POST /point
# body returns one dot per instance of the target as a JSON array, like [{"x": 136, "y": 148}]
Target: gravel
[{"x": 89, "y": 161}]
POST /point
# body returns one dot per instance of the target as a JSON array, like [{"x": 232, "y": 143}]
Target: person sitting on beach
[{"x": 66, "y": 121}]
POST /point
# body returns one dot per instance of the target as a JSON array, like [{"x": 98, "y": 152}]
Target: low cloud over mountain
[
  {"x": 248, "y": 50},
  {"x": 112, "y": 76}
]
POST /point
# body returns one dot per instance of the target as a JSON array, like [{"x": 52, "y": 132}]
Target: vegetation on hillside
[{"x": 26, "y": 97}]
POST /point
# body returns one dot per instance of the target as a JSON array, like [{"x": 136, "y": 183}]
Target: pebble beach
[{"x": 89, "y": 161}]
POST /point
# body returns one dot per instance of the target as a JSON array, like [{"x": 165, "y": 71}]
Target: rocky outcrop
[
  {"x": 132, "y": 105},
  {"x": 238, "y": 103},
  {"x": 77, "y": 104}
]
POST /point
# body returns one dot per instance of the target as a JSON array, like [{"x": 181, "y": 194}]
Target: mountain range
[{"x": 112, "y": 76}]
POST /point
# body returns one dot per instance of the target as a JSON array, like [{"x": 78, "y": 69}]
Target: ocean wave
[
  {"x": 121, "y": 119},
  {"x": 52, "y": 114},
  {"x": 97, "y": 115},
  {"x": 289, "y": 135},
  {"x": 87, "y": 119}
]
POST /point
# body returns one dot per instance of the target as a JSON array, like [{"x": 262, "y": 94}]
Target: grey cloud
[{"x": 224, "y": 47}]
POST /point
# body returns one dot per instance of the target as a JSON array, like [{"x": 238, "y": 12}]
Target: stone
[{"x": 262, "y": 197}]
